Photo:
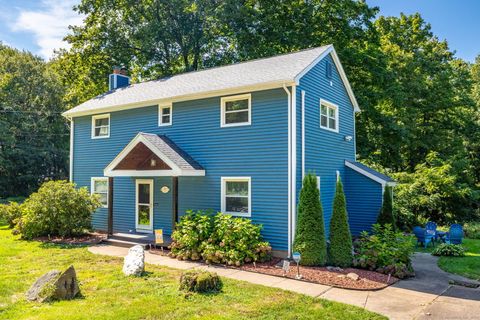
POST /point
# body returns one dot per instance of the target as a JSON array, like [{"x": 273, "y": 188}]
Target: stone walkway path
[{"x": 427, "y": 296}]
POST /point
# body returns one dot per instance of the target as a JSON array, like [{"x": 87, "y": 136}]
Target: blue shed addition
[{"x": 237, "y": 139}]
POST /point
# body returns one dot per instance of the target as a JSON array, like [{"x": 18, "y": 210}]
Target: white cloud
[{"x": 48, "y": 25}]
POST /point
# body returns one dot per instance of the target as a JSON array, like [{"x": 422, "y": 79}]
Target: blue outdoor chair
[
  {"x": 455, "y": 235},
  {"x": 424, "y": 237},
  {"x": 431, "y": 228}
]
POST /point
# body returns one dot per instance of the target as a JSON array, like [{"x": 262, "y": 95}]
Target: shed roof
[
  {"x": 251, "y": 75},
  {"x": 370, "y": 173}
]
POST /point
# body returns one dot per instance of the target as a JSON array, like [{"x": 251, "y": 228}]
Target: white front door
[{"x": 144, "y": 205}]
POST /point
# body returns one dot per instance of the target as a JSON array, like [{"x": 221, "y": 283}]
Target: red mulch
[
  {"x": 368, "y": 280},
  {"x": 87, "y": 239}
]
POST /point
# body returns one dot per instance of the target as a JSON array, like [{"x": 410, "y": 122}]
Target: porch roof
[{"x": 175, "y": 161}]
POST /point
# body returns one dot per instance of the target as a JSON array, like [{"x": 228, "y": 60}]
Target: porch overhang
[{"x": 151, "y": 155}]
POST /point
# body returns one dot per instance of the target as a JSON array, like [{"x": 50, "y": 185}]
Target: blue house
[{"x": 237, "y": 139}]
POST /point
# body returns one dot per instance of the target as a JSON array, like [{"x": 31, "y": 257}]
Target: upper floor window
[
  {"x": 236, "y": 196},
  {"x": 165, "y": 115},
  {"x": 328, "y": 116},
  {"x": 236, "y": 110},
  {"x": 100, "y": 186},
  {"x": 101, "y": 126}
]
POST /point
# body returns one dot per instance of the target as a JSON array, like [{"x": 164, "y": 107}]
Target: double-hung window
[
  {"x": 328, "y": 116},
  {"x": 101, "y": 126},
  {"x": 165, "y": 115},
  {"x": 236, "y": 196},
  {"x": 236, "y": 110},
  {"x": 100, "y": 186}
]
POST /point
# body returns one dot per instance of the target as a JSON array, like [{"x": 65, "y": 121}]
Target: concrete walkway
[{"x": 427, "y": 296}]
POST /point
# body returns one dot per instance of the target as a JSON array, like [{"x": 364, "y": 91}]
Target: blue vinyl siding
[
  {"x": 364, "y": 201},
  {"x": 325, "y": 151},
  {"x": 258, "y": 150}
]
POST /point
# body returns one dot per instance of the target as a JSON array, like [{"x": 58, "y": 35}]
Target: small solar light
[{"x": 296, "y": 257}]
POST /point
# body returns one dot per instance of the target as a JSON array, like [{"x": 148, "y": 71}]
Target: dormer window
[
  {"x": 236, "y": 110},
  {"x": 101, "y": 126},
  {"x": 328, "y": 116},
  {"x": 165, "y": 115}
]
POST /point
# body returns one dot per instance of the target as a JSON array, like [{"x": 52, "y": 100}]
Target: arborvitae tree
[
  {"x": 340, "y": 237},
  {"x": 310, "y": 234},
  {"x": 386, "y": 215}
]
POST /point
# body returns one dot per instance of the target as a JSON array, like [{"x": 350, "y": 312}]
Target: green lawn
[
  {"x": 107, "y": 294},
  {"x": 468, "y": 266}
]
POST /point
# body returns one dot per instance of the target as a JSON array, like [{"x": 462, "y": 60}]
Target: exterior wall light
[{"x": 348, "y": 138}]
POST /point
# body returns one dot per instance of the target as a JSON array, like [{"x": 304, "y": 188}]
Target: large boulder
[
  {"x": 134, "y": 263},
  {"x": 55, "y": 285}
]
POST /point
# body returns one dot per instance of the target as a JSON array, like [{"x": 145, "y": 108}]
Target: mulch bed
[
  {"x": 87, "y": 239},
  {"x": 368, "y": 280}
]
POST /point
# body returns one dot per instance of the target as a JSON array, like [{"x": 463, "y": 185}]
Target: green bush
[
  {"x": 385, "y": 251},
  {"x": 57, "y": 209},
  {"x": 472, "y": 230},
  {"x": 310, "y": 234},
  {"x": 218, "y": 238},
  {"x": 11, "y": 213},
  {"x": 386, "y": 215},
  {"x": 340, "y": 253},
  {"x": 200, "y": 281},
  {"x": 445, "y": 249}
]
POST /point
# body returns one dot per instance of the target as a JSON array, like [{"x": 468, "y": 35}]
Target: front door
[{"x": 144, "y": 205}]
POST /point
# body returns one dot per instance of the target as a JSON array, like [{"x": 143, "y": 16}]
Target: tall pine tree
[
  {"x": 340, "y": 237},
  {"x": 310, "y": 234}
]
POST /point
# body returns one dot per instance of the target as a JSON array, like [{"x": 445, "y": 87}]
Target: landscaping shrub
[
  {"x": 200, "y": 281},
  {"x": 472, "y": 230},
  {"x": 445, "y": 249},
  {"x": 386, "y": 215},
  {"x": 385, "y": 251},
  {"x": 218, "y": 238},
  {"x": 310, "y": 234},
  {"x": 340, "y": 237},
  {"x": 57, "y": 209},
  {"x": 10, "y": 213}
]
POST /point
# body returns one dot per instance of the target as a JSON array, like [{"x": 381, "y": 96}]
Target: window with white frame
[
  {"x": 101, "y": 126},
  {"x": 328, "y": 116},
  {"x": 165, "y": 115},
  {"x": 236, "y": 196},
  {"x": 236, "y": 110},
  {"x": 100, "y": 186}
]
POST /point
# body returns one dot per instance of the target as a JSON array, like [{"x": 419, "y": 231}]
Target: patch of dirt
[
  {"x": 368, "y": 280},
  {"x": 87, "y": 239}
]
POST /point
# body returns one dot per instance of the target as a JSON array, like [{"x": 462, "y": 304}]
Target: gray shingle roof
[
  {"x": 369, "y": 170},
  {"x": 277, "y": 69},
  {"x": 166, "y": 146}
]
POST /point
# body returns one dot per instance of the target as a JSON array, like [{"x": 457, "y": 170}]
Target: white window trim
[
  {"x": 337, "y": 120},
  {"x": 223, "y": 195},
  {"x": 92, "y": 187},
  {"x": 223, "y": 102},
  {"x": 100, "y": 116},
  {"x": 161, "y": 107}
]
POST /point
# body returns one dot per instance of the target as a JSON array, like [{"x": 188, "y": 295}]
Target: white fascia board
[
  {"x": 369, "y": 175},
  {"x": 343, "y": 76},
  {"x": 187, "y": 97}
]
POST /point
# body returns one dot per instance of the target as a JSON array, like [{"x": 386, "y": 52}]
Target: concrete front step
[{"x": 124, "y": 243}]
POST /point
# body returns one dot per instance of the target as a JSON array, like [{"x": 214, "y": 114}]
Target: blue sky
[{"x": 40, "y": 25}]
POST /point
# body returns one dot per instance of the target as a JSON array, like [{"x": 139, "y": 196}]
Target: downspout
[
  {"x": 289, "y": 215},
  {"x": 70, "y": 173},
  {"x": 303, "y": 135},
  {"x": 294, "y": 162}
]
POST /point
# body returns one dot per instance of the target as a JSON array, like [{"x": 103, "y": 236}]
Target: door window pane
[
  {"x": 143, "y": 215},
  {"x": 143, "y": 193}
]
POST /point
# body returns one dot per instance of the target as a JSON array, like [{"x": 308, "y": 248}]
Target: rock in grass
[
  {"x": 54, "y": 285},
  {"x": 200, "y": 281},
  {"x": 134, "y": 262}
]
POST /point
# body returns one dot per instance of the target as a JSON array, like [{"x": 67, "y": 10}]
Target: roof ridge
[{"x": 227, "y": 65}]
